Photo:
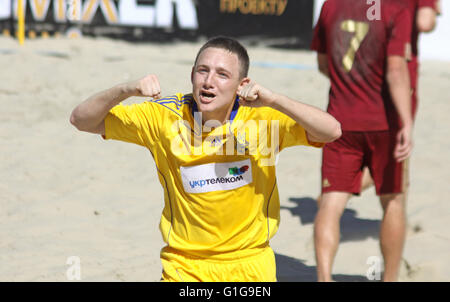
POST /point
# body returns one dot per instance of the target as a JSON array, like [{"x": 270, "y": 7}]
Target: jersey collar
[{"x": 232, "y": 115}]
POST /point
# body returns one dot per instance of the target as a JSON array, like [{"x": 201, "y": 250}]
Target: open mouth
[{"x": 207, "y": 97}]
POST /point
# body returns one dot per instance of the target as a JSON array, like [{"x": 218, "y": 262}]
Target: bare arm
[
  {"x": 426, "y": 19},
  {"x": 320, "y": 126},
  {"x": 90, "y": 115},
  {"x": 400, "y": 90},
  {"x": 322, "y": 61}
]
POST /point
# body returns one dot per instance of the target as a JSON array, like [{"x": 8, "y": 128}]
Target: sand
[{"x": 66, "y": 193}]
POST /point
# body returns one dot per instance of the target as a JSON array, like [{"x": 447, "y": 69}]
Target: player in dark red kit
[
  {"x": 365, "y": 56},
  {"x": 424, "y": 14}
]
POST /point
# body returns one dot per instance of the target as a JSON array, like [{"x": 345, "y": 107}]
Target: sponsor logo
[
  {"x": 212, "y": 181},
  {"x": 216, "y": 176},
  {"x": 236, "y": 171}
]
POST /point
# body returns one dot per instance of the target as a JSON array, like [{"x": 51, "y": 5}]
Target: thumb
[{"x": 400, "y": 137}]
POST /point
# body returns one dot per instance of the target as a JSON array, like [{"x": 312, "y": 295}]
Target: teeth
[{"x": 208, "y": 95}]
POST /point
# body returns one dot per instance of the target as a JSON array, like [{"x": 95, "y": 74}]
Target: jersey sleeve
[
  {"x": 137, "y": 124},
  {"x": 434, "y": 4},
  {"x": 319, "y": 38},
  {"x": 399, "y": 40},
  {"x": 290, "y": 132}
]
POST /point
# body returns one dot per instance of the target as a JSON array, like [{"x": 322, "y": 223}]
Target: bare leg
[
  {"x": 392, "y": 234},
  {"x": 366, "y": 182},
  {"x": 327, "y": 233}
]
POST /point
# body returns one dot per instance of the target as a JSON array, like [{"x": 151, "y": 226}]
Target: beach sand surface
[{"x": 66, "y": 193}]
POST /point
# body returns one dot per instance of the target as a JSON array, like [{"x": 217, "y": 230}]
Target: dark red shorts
[{"x": 344, "y": 159}]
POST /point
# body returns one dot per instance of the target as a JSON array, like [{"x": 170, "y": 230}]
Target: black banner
[
  {"x": 279, "y": 21},
  {"x": 282, "y": 22}
]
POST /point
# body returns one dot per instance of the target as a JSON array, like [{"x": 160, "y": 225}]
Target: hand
[
  {"x": 404, "y": 145},
  {"x": 146, "y": 87},
  {"x": 254, "y": 95}
]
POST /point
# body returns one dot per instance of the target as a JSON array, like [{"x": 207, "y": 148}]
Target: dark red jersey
[{"x": 357, "y": 38}]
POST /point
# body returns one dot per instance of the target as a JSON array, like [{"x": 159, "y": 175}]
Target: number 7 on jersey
[{"x": 360, "y": 29}]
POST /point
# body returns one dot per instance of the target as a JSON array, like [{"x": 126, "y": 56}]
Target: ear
[
  {"x": 244, "y": 82},
  {"x": 192, "y": 75}
]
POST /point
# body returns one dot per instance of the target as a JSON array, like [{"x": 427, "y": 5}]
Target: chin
[{"x": 206, "y": 107}]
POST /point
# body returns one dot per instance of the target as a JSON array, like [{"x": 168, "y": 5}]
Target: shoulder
[
  {"x": 156, "y": 110},
  {"x": 262, "y": 114},
  {"x": 392, "y": 8},
  {"x": 176, "y": 104},
  {"x": 326, "y": 7}
]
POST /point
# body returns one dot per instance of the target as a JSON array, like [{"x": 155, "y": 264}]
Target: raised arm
[
  {"x": 89, "y": 116},
  {"x": 320, "y": 126}
]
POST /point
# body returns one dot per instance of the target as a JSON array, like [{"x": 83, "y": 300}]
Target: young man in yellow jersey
[{"x": 215, "y": 152}]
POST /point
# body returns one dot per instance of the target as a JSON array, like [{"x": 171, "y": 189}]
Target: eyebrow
[{"x": 219, "y": 69}]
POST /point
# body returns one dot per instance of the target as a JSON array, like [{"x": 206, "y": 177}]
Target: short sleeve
[
  {"x": 434, "y": 4},
  {"x": 290, "y": 132},
  {"x": 399, "y": 41},
  {"x": 135, "y": 123},
  {"x": 319, "y": 37}
]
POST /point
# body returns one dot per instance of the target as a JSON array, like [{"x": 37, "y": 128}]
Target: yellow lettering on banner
[
  {"x": 110, "y": 12},
  {"x": 88, "y": 14},
  {"x": 268, "y": 7},
  {"x": 262, "y": 7},
  {"x": 40, "y": 8},
  {"x": 281, "y": 6},
  {"x": 108, "y": 8},
  {"x": 227, "y": 6},
  {"x": 244, "y": 6},
  {"x": 60, "y": 12},
  {"x": 255, "y": 7}
]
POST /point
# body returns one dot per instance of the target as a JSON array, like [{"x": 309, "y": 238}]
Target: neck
[{"x": 222, "y": 116}]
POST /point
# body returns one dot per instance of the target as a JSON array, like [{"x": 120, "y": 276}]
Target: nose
[{"x": 208, "y": 80}]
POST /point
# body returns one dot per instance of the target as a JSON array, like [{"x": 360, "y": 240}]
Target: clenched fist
[
  {"x": 148, "y": 86},
  {"x": 255, "y": 95}
]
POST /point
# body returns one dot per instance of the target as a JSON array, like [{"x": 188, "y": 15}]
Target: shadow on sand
[
  {"x": 352, "y": 227},
  {"x": 294, "y": 270}
]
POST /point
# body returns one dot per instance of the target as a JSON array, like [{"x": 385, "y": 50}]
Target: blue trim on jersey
[
  {"x": 178, "y": 105},
  {"x": 174, "y": 100},
  {"x": 168, "y": 108},
  {"x": 186, "y": 99},
  {"x": 233, "y": 111}
]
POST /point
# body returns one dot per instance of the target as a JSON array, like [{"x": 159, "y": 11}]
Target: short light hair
[{"x": 233, "y": 46}]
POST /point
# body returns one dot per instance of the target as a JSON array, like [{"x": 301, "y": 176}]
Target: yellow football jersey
[{"x": 220, "y": 189}]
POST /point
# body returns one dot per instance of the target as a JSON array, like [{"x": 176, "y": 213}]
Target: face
[{"x": 215, "y": 80}]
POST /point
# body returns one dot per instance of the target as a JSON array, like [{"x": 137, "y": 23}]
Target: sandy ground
[{"x": 65, "y": 193}]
